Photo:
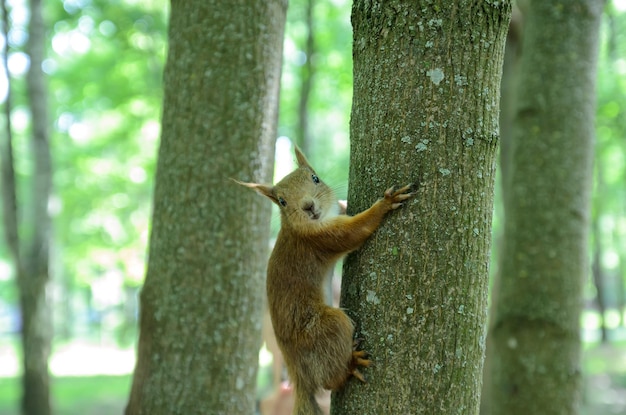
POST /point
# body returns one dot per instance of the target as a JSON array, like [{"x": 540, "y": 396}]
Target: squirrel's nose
[{"x": 309, "y": 207}]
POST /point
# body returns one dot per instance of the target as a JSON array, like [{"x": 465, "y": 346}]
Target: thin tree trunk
[
  {"x": 599, "y": 276},
  {"x": 426, "y": 92},
  {"x": 201, "y": 305},
  {"x": 9, "y": 196},
  {"x": 536, "y": 359},
  {"x": 31, "y": 265},
  {"x": 34, "y": 273},
  {"x": 597, "y": 251},
  {"x": 510, "y": 72},
  {"x": 307, "y": 71},
  {"x": 621, "y": 273}
]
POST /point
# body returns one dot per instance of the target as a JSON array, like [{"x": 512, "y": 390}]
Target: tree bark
[
  {"x": 536, "y": 362},
  {"x": 425, "y": 110},
  {"x": 201, "y": 304}
]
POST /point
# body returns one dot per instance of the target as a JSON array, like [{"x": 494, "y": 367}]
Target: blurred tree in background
[
  {"x": 609, "y": 198},
  {"x": 27, "y": 228},
  {"x": 104, "y": 62},
  {"x": 201, "y": 304},
  {"x": 537, "y": 303}
]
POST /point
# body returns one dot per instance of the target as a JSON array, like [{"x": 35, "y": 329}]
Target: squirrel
[{"x": 316, "y": 339}]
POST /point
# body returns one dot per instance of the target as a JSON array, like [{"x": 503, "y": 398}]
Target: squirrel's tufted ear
[
  {"x": 262, "y": 189},
  {"x": 302, "y": 161}
]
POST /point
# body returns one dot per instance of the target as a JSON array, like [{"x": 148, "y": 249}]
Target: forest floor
[{"x": 75, "y": 393}]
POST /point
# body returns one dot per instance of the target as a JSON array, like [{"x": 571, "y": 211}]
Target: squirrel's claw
[
  {"x": 355, "y": 372},
  {"x": 359, "y": 358},
  {"x": 396, "y": 197}
]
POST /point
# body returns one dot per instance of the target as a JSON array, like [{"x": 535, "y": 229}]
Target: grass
[{"x": 91, "y": 395}]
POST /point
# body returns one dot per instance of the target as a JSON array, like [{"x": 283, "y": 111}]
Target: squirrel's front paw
[{"x": 396, "y": 197}]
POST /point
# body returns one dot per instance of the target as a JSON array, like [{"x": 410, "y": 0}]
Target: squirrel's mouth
[{"x": 312, "y": 210}]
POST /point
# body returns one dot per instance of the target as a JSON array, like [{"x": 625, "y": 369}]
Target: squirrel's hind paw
[{"x": 359, "y": 358}]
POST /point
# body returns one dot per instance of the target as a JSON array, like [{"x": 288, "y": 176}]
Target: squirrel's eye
[
  {"x": 316, "y": 179},
  {"x": 282, "y": 201}
]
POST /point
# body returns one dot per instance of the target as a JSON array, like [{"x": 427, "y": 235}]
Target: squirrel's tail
[{"x": 305, "y": 403}]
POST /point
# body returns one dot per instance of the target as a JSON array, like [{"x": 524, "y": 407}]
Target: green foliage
[
  {"x": 331, "y": 95},
  {"x": 610, "y": 161},
  {"x": 611, "y": 107},
  {"x": 105, "y": 69}
]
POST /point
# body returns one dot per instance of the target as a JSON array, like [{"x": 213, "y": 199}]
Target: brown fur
[{"x": 316, "y": 340}]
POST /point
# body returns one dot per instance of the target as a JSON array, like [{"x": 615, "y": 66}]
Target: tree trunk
[
  {"x": 33, "y": 272},
  {"x": 536, "y": 362},
  {"x": 307, "y": 73},
  {"x": 621, "y": 273},
  {"x": 599, "y": 275},
  {"x": 510, "y": 72},
  {"x": 201, "y": 304},
  {"x": 425, "y": 110}
]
